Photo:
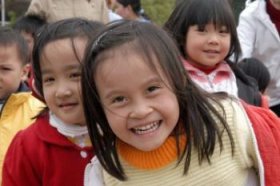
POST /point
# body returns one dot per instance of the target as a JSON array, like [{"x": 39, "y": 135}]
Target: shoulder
[
  {"x": 28, "y": 135},
  {"x": 235, "y": 115},
  {"x": 252, "y": 8},
  {"x": 25, "y": 98}
]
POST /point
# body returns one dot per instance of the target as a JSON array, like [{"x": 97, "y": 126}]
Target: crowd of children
[{"x": 133, "y": 103}]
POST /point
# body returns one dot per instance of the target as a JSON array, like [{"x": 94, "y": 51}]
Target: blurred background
[{"x": 157, "y": 10}]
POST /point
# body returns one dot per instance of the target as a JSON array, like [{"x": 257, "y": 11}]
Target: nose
[
  {"x": 140, "y": 109},
  {"x": 213, "y": 38},
  {"x": 62, "y": 91}
]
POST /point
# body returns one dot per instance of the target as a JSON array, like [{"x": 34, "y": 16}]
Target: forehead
[
  {"x": 62, "y": 53},
  {"x": 64, "y": 47},
  {"x": 10, "y": 51},
  {"x": 128, "y": 64},
  {"x": 129, "y": 53}
]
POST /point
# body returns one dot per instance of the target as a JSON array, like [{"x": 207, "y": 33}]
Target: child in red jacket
[{"x": 56, "y": 148}]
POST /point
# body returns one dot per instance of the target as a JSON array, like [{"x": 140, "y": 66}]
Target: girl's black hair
[
  {"x": 201, "y": 12},
  {"x": 69, "y": 28},
  {"x": 155, "y": 46}
]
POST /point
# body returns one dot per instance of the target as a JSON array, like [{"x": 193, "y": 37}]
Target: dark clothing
[
  {"x": 247, "y": 87},
  {"x": 276, "y": 109}
]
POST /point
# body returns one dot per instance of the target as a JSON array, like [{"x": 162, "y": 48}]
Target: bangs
[{"x": 217, "y": 13}]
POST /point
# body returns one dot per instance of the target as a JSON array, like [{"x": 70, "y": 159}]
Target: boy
[
  {"x": 28, "y": 26},
  {"x": 17, "y": 105}
]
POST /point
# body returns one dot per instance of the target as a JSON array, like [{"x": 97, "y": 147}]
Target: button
[{"x": 83, "y": 154}]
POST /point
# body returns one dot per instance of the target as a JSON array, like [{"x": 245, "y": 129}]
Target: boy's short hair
[
  {"x": 9, "y": 37},
  {"x": 29, "y": 24}
]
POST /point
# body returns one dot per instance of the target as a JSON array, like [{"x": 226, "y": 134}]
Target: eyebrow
[
  {"x": 154, "y": 79},
  {"x": 65, "y": 68}
]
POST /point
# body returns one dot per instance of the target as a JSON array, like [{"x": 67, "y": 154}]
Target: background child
[
  {"x": 259, "y": 35},
  {"x": 256, "y": 69},
  {"x": 131, "y": 10},
  {"x": 150, "y": 125},
  {"x": 56, "y": 148},
  {"x": 17, "y": 105},
  {"x": 206, "y": 35},
  {"x": 28, "y": 25}
]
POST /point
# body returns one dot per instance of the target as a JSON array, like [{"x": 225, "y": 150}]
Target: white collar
[{"x": 66, "y": 129}]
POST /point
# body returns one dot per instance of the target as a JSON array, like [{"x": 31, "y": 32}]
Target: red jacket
[
  {"x": 39, "y": 155},
  {"x": 266, "y": 126}
]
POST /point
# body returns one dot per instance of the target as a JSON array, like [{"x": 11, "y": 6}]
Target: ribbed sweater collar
[{"x": 155, "y": 159}]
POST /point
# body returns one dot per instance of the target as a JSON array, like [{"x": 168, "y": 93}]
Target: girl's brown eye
[
  {"x": 152, "y": 88},
  {"x": 118, "y": 99}
]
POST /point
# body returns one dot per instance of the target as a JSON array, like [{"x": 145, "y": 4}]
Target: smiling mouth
[
  {"x": 147, "y": 128},
  {"x": 67, "y": 105},
  {"x": 211, "y": 51}
]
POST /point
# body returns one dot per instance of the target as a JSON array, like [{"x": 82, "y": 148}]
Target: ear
[
  {"x": 129, "y": 9},
  {"x": 25, "y": 72}
]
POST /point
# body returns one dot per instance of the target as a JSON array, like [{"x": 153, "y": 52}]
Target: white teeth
[{"x": 147, "y": 128}]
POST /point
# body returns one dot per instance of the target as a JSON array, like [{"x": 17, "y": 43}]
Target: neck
[{"x": 205, "y": 69}]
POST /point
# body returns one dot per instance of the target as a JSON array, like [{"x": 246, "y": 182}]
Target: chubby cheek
[
  {"x": 226, "y": 47},
  {"x": 116, "y": 122},
  {"x": 48, "y": 94},
  {"x": 173, "y": 113}
]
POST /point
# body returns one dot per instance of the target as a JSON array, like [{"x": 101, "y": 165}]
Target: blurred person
[
  {"x": 52, "y": 11},
  {"x": 112, "y": 15},
  {"x": 256, "y": 69},
  {"x": 131, "y": 10},
  {"x": 27, "y": 26},
  {"x": 17, "y": 105},
  {"x": 258, "y": 32}
]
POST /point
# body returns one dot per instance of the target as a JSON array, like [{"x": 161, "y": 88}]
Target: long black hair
[{"x": 196, "y": 111}]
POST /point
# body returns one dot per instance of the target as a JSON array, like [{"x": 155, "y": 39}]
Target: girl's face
[
  {"x": 207, "y": 46},
  {"x": 139, "y": 104},
  {"x": 61, "y": 71}
]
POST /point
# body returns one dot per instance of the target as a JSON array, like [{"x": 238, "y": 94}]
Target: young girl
[
  {"x": 150, "y": 125},
  {"x": 56, "y": 148},
  {"x": 206, "y": 35}
]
